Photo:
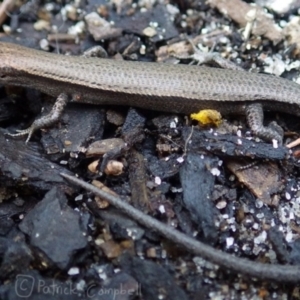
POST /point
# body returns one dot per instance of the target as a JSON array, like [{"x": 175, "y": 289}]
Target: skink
[
  {"x": 178, "y": 89},
  {"x": 156, "y": 86}
]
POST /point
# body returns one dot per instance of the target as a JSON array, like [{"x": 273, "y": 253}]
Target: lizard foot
[
  {"x": 45, "y": 121},
  {"x": 271, "y": 132},
  {"x": 255, "y": 115},
  {"x": 29, "y": 131}
]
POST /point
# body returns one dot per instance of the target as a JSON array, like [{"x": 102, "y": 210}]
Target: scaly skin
[
  {"x": 164, "y": 87},
  {"x": 155, "y": 86}
]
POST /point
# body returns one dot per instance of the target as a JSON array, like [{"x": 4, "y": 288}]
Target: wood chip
[{"x": 238, "y": 10}]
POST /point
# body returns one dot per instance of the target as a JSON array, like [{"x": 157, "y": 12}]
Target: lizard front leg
[{"x": 255, "y": 118}]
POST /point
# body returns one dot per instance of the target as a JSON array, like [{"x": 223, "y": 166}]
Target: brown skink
[
  {"x": 156, "y": 86},
  {"x": 163, "y": 87}
]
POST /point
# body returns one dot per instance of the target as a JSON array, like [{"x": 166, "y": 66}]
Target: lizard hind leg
[
  {"x": 255, "y": 117},
  {"x": 60, "y": 103},
  {"x": 45, "y": 121}
]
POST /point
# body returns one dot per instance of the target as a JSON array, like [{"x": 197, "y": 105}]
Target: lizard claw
[
  {"x": 46, "y": 120},
  {"x": 29, "y": 131}
]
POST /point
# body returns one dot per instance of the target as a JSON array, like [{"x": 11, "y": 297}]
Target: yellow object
[{"x": 207, "y": 117}]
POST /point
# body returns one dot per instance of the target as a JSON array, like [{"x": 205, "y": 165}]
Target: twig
[
  {"x": 275, "y": 272},
  {"x": 5, "y": 7}
]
